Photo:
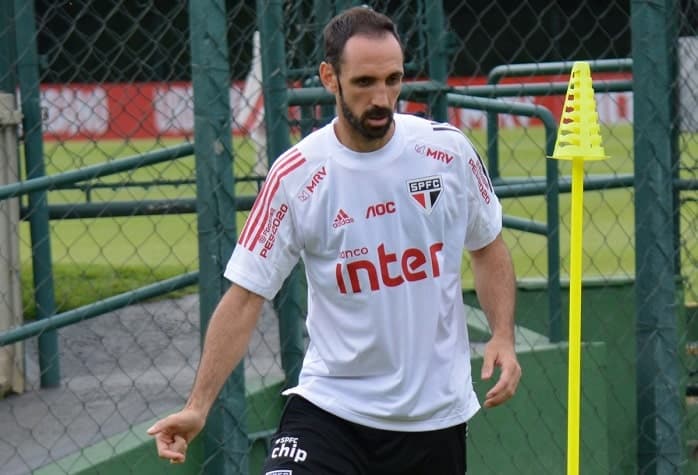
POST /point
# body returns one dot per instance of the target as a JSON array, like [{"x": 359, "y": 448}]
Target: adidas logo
[{"x": 342, "y": 218}]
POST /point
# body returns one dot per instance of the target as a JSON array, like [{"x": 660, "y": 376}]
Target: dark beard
[{"x": 361, "y": 125}]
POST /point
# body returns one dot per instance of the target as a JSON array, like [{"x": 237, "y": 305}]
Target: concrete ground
[{"x": 117, "y": 370}]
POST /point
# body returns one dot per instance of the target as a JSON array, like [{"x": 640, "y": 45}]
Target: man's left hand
[{"x": 500, "y": 353}]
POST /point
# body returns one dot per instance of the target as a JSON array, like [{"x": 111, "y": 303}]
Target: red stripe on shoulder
[
  {"x": 285, "y": 164},
  {"x": 290, "y": 154}
]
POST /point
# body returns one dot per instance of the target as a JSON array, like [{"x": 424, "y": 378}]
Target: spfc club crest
[{"x": 426, "y": 191}]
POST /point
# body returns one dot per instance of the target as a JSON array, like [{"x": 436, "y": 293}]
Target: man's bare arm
[
  {"x": 495, "y": 285},
  {"x": 227, "y": 337},
  {"x": 226, "y": 342}
]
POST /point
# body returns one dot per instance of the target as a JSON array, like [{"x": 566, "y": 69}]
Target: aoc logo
[
  {"x": 426, "y": 191},
  {"x": 379, "y": 209},
  {"x": 434, "y": 154}
]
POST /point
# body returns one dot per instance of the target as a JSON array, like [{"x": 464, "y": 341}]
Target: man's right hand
[
  {"x": 174, "y": 433},
  {"x": 227, "y": 338}
]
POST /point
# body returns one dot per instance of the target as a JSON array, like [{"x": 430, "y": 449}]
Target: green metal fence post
[
  {"x": 7, "y": 48},
  {"x": 225, "y": 435},
  {"x": 274, "y": 82},
  {"x": 28, "y": 76},
  {"x": 659, "y": 398},
  {"x": 493, "y": 145},
  {"x": 323, "y": 14},
  {"x": 552, "y": 203},
  {"x": 289, "y": 301},
  {"x": 437, "y": 60}
]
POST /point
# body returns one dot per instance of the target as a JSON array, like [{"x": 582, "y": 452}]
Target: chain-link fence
[{"x": 116, "y": 97}]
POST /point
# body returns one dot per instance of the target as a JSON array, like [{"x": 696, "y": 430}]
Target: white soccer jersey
[{"x": 382, "y": 236}]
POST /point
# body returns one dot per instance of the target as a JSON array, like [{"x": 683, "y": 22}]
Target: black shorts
[{"x": 313, "y": 441}]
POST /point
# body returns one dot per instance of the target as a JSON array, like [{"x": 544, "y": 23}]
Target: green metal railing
[
  {"x": 551, "y": 192},
  {"x": 97, "y": 309},
  {"x": 47, "y": 182},
  {"x": 93, "y": 210},
  {"x": 41, "y": 184},
  {"x": 540, "y": 89}
]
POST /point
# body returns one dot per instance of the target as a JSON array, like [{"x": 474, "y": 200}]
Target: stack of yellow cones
[
  {"x": 578, "y": 140},
  {"x": 579, "y": 135}
]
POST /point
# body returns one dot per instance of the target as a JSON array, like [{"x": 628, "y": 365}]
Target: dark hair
[{"x": 351, "y": 22}]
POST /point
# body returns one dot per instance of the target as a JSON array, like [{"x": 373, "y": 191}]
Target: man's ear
[{"x": 328, "y": 77}]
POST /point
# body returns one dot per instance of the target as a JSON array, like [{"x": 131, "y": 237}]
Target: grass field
[{"x": 95, "y": 258}]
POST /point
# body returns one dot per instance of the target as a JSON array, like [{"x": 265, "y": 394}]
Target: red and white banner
[
  {"x": 144, "y": 110},
  {"x": 166, "y": 109}
]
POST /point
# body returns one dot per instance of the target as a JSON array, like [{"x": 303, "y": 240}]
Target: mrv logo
[
  {"x": 434, "y": 154},
  {"x": 426, "y": 191},
  {"x": 391, "y": 270},
  {"x": 310, "y": 187}
]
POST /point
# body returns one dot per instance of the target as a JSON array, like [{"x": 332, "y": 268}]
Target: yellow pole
[
  {"x": 575, "y": 318},
  {"x": 578, "y": 140}
]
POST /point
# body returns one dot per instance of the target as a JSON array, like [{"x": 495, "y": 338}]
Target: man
[{"x": 380, "y": 206}]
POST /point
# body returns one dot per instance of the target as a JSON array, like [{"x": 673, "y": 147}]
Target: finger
[
  {"x": 180, "y": 444},
  {"x": 179, "y": 447},
  {"x": 159, "y": 426},
  {"x": 502, "y": 391},
  {"x": 495, "y": 394},
  {"x": 172, "y": 423},
  {"x": 164, "y": 446},
  {"x": 487, "y": 366},
  {"x": 494, "y": 401}
]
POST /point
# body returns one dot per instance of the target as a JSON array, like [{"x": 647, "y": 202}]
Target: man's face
[
  {"x": 373, "y": 123},
  {"x": 367, "y": 89}
]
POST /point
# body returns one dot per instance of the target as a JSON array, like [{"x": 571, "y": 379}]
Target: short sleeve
[
  {"x": 484, "y": 210},
  {"x": 268, "y": 247}
]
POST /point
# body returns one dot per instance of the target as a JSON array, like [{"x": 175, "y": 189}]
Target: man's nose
[{"x": 381, "y": 97}]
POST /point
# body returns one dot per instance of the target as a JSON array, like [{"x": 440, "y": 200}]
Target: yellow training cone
[
  {"x": 579, "y": 135},
  {"x": 578, "y": 139}
]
